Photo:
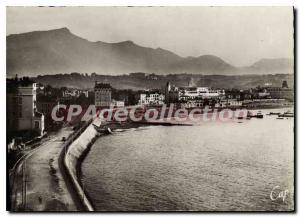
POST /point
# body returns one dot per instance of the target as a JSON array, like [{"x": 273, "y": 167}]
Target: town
[{"x": 30, "y": 104}]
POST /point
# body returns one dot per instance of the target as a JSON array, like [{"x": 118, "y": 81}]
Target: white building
[
  {"x": 263, "y": 94},
  {"x": 75, "y": 93},
  {"x": 206, "y": 92},
  {"x": 117, "y": 103},
  {"x": 22, "y": 112},
  {"x": 192, "y": 93},
  {"x": 151, "y": 99},
  {"x": 231, "y": 103}
]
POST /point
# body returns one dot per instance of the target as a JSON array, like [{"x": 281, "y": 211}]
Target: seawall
[{"x": 76, "y": 147}]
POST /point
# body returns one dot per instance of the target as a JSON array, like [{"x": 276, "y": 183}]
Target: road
[{"x": 37, "y": 183}]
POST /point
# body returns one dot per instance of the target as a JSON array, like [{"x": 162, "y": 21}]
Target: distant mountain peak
[
  {"x": 272, "y": 65},
  {"x": 63, "y": 29},
  {"x": 209, "y": 56},
  {"x": 128, "y": 42},
  {"x": 277, "y": 61},
  {"x": 160, "y": 49},
  {"x": 59, "y": 31}
]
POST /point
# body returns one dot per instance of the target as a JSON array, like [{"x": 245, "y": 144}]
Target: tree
[{"x": 284, "y": 84}]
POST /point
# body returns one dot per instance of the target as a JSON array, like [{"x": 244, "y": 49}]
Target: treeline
[{"x": 142, "y": 81}]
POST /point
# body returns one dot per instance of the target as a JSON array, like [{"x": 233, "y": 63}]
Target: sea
[{"x": 238, "y": 165}]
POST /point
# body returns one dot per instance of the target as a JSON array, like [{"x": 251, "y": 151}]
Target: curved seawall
[{"x": 74, "y": 150}]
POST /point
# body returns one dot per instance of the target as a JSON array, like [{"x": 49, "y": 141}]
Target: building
[
  {"x": 263, "y": 94},
  {"x": 75, "y": 93},
  {"x": 46, "y": 107},
  {"x": 266, "y": 103},
  {"x": 188, "y": 93},
  {"x": 117, "y": 103},
  {"x": 149, "y": 98},
  {"x": 22, "y": 114},
  {"x": 171, "y": 93},
  {"x": 193, "y": 104},
  {"x": 167, "y": 92},
  {"x": 207, "y": 93},
  {"x": 283, "y": 92},
  {"x": 197, "y": 93},
  {"x": 102, "y": 94},
  {"x": 191, "y": 96},
  {"x": 229, "y": 103}
]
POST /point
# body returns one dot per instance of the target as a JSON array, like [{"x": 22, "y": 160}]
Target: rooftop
[
  {"x": 38, "y": 114},
  {"x": 102, "y": 85},
  {"x": 14, "y": 83}
]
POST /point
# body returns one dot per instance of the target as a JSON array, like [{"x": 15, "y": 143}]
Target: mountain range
[{"x": 59, "y": 51}]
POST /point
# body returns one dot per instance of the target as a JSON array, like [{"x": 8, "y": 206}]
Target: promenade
[{"x": 39, "y": 178}]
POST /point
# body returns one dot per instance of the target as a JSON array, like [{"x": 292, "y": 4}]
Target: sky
[{"x": 238, "y": 35}]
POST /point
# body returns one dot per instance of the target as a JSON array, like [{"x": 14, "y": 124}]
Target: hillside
[{"x": 140, "y": 81}]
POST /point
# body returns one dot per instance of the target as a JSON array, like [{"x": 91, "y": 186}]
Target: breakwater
[{"x": 75, "y": 148}]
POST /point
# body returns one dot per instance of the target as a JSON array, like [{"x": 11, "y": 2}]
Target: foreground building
[
  {"x": 22, "y": 114},
  {"x": 46, "y": 107}
]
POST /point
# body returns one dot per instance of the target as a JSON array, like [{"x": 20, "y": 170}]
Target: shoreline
[
  {"x": 84, "y": 154},
  {"x": 72, "y": 182},
  {"x": 67, "y": 177},
  {"x": 73, "y": 177},
  {"x": 117, "y": 126},
  {"x": 79, "y": 170}
]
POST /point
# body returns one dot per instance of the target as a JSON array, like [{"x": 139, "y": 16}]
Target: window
[{"x": 36, "y": 124}]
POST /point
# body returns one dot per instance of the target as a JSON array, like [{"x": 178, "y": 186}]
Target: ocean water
[{"x": 209, "y": 167}]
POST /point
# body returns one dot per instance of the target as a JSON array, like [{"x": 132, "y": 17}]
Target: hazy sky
[{"x": 239, "y": 35}]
